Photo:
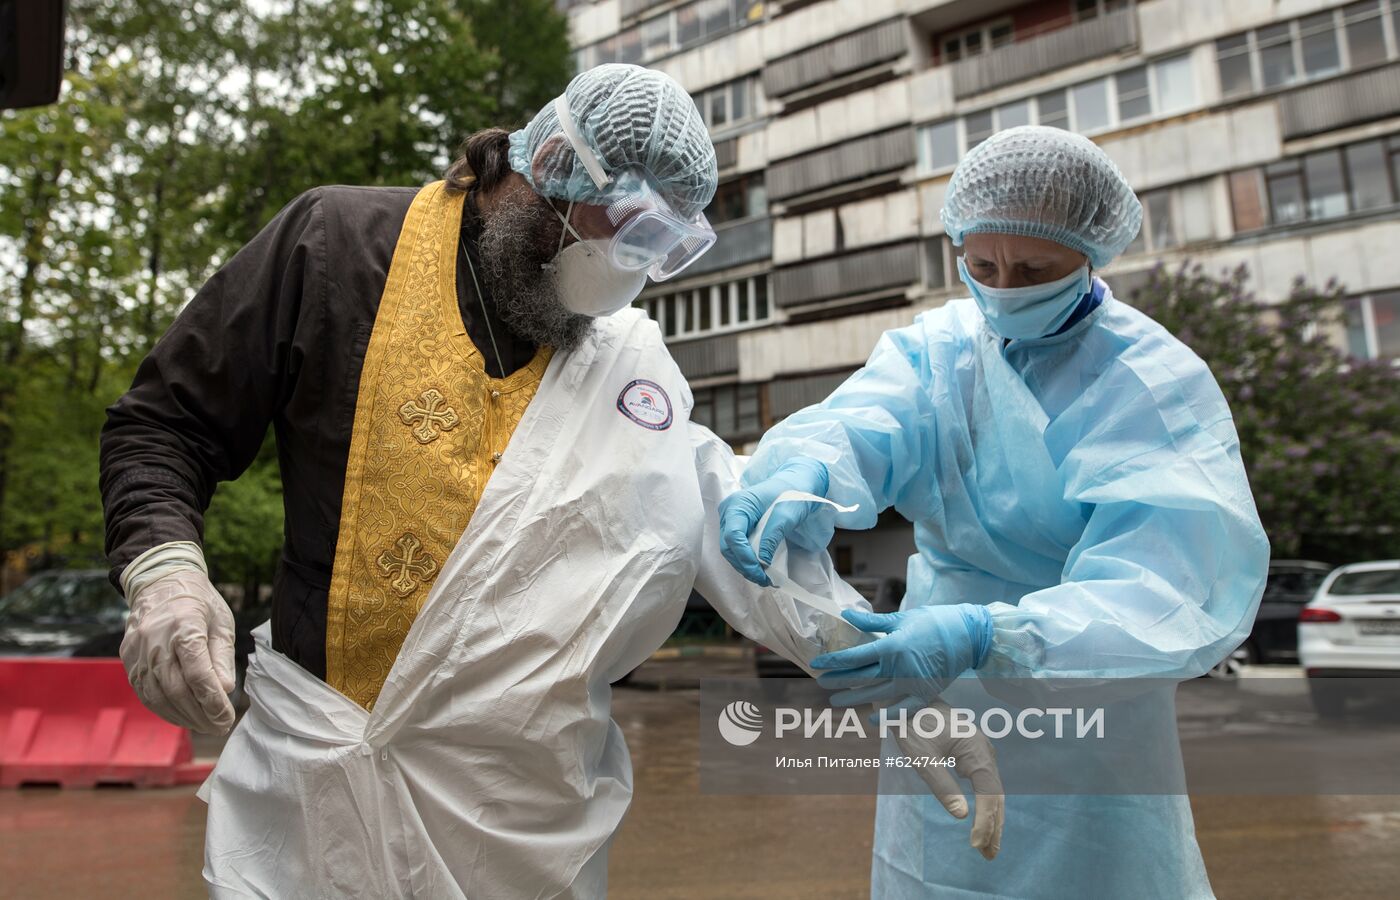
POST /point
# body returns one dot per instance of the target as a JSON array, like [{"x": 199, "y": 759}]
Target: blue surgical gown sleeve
[
  {"x": 873, "y": 434},
  {"x": 1167, "y": 576}
]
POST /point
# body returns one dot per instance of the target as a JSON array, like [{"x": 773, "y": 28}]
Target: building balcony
[
  {"x": 842, "y": 164},
  {"x": 1341, "y": 102},
  {"x": 707, "y": 357},
  {"x": 884, "y": 270},
  {"x": 1048, "y": 50},
  {"x": 837, "y": 58}
]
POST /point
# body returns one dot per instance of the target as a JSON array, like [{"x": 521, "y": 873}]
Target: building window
[
  {"x": 1175, "y": 217},
  {"x": 1173, "y": 85},
  {"x": 938, "y": 145},
  {"x": 1365, "y": 33},
  {"x": 1134, "y": 99},
  {"x": 1321, "y": 185},
  {"x": 1276, "y": 55},
  {"x": 1316, "y": 46},
  {"x": 1052, "y": 109},
  {"x": 729, "y": 104},
  {"x": 976, "y": 41},
  {"x": 1373, "y": 326},
  {"x": 1013, "y": 114},
  {"x": 1233, "y": 59},
  {"x": 688, "y": 25},
  {"x": 1092, "y": 9},
  {"x": 732, "y": 411},
  {"x": 715, "y": 16},
  {"x": 738, "y": 198},
  {"x": 671, "y": 31},
  {"x": 979, "y": 126},
  {"x": 940, "y": 264},
  {"x": 657, "y": 39},
  {"x": 1285, "y": 183},
  {"x": 1090, "y": 101},
  {"x": 1318, "y": 36},
  {"x": 1370, "y": 182},
  {"x": 629, "y": 46},
  {"x": 1327, "y": 190},
  {"x": 1156, "y": 89},
  {"x": 710, "y": 309}
]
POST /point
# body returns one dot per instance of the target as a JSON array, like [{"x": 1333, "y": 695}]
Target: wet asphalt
[{"x": 678, "y": 842}]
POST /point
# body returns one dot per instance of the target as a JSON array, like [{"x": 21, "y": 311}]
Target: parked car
[
  {"x": 884, "y": 595},
  {"x": 78, "y": 613},
  {"x": 1274, "y": 638},
  {"x": 1350, "y": 630},
  {"x": 63, "y": 613}
]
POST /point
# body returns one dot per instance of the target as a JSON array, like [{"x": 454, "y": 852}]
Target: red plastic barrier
[{"x": 78, "y": 723}]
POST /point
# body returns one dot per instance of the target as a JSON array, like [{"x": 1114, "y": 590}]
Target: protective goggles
[{"x": 643, "y": 231}]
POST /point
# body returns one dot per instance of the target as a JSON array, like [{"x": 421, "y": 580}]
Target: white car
[{"x": 1350, "y": 630}]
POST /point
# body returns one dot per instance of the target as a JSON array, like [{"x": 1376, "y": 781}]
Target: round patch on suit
[{"x": 645, "y": 403}]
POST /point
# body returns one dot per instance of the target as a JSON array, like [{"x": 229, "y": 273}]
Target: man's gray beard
[{"x": 519, "y": 235}]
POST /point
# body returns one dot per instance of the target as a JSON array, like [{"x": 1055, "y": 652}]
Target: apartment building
[{"x": 1256, "y": 132}]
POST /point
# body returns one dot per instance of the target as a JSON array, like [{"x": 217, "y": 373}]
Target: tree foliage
[
  {"x": 183, "y": 126},
  {"x": 1319, "y": 431}
]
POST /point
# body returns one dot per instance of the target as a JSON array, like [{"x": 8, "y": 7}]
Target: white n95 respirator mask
[{"x": 588, "y": 281}]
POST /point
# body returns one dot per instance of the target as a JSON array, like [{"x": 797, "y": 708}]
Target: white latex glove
[
  {"x": 178, "y": 649},
  {"x": 976, "y": 762}
]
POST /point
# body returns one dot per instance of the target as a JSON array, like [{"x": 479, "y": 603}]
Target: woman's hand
[
  {"x": 740, "y": 512},
  {"x": 923, "y": 649}
]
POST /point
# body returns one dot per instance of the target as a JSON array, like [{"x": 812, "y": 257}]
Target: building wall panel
[{"x": 1195, "y": 148}]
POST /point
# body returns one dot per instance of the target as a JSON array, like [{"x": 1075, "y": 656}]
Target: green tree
[
  {"x": 58, "y": 262},
  {"x": 1319, "y": 431},
  {"x": 183, "y": 126},
  {"x": 365, "y": 93},
  {"x": 530, "y": 40}
]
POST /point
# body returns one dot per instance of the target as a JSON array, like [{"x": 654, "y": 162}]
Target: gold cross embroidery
[
  {"x": 406, "y": 565},
  {"x": 428, "y": 417}
]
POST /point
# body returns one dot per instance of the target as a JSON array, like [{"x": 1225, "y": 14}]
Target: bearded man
[{"x": 495, "y": 507}]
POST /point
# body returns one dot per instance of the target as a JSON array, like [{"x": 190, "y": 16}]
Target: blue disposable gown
[{"x": 1088, "y": 488}]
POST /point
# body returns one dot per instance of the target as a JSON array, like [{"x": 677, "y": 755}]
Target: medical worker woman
[{"x": 1080, "y": 509}]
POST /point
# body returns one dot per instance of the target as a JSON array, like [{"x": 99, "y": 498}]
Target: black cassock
[{"x": 276, "y": 337}]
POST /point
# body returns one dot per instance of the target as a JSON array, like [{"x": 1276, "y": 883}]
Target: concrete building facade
[{"x": 1256, "y": 132}]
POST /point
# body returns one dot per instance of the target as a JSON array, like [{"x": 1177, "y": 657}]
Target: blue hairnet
[
  {"x": 630, "y": 116},
  {"x": 1047, "y": 183}
]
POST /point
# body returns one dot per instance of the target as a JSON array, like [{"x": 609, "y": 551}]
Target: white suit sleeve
[{"x": 771, "y": 616}]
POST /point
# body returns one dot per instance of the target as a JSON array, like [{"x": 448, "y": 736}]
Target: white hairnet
[
  {"x": 630, "y": 116},
  {"x": 1047, "y": 183}
]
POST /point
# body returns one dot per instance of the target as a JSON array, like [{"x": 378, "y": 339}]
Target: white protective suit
[{"x": 489, "y": 766}]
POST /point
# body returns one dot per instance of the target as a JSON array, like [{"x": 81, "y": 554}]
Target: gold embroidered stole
[{"x": 430, "y": 426}]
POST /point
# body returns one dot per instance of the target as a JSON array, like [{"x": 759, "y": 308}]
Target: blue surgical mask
[{"x": 1032, "y": 311}]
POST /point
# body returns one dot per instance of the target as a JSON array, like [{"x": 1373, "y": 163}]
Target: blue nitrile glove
[
  {"x": 740, "y": 512},
  {"x": 923, "y": 649}
]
